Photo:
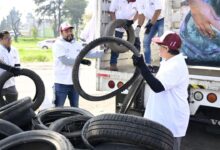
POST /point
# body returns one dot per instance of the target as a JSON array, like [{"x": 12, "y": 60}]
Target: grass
[{"x": 29, "y": 52}]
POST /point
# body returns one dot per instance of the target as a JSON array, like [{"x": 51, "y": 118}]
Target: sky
[{"x": 24, "y": 7}]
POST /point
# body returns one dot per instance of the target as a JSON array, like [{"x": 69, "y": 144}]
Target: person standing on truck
[
  {"x": 153, "y": 10},
  {"x": 122, "y": 9},
  {"x": 65, "y": 51},
  {"x": 167, "y": 103},
  {"x": 8, "y": 55}
]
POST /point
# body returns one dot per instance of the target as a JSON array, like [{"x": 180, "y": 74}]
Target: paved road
[{"x": 196, "y": 139}]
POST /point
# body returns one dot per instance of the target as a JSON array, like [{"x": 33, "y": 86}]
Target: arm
[
  {"x": 153, "y": 82},
  {"x": 155, "y": 16},
  {"x": 67, "y": 60},
  {"x": 141, "y": 19},
  {"x": 112, "y": 14}
]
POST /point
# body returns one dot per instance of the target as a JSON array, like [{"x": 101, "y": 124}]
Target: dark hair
[
  {"x": 173, "y": 52},
  {"x": 3, "y": 33}
]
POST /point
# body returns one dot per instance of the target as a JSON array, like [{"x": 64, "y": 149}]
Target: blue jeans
[
  {"x": 62, "y": 91},
  {"x": 158, "y": 27},
  {"x": 114, "y": 55}
]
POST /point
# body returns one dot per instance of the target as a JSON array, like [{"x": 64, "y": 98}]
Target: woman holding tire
[{"x": 167, "y": 103}]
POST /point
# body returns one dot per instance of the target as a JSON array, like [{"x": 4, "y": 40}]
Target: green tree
[
  {"x": 34, "y": 32},
  {"x": 4, "y": 25},
  {"x": 74, "y": 10},
  {"x": 13, "y": 19},
  {"x": 51, "y": 8}
]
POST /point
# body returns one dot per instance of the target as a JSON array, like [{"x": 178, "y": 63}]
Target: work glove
[
  {"x": 138, "y": 61},
  {"x": 128, "y": 24},
  {"x": 148, "y": 27},
  {"x": 16, "y": 71},
  {"x": 86, "y": 62},
  {"x": 137, "y": 31}
]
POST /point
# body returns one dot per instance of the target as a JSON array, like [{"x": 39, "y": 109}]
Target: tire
[
  {"x": 46, "y": 117},
  {"x": 71, "y": 127},
  {"x": 85, "y": 50},
  {"x": 127, "y": 129},
  {"x": 44, "y": 47},
  {"x": 110, "y": 29},
  {"x": 35, "y": 140},
  {"x": 18, "y": 112},
  {"x": 117, "y": 146},
  {"x": 8, "y": 129},
  {"x": 132, "y": 95},
  {"x": 40, "y": 88}
]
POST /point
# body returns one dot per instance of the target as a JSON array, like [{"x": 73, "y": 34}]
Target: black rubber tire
[
  {"x": 110, "y": 29},
  {"x": 7, "y": 129},
  {"x": 117, "y": 146},
  {"x": 46, "y": 117},
  {"x": 85, "y": 50},
  {"x": 36, "y": 140},
  {"x": 71, "y": 127},
  {"x": 132, "y": 94},
  {"x": 18, "y": 112},
  {"x": 120, "y": 128},
  {"x": 40, "y": 88},
  {"x": 77, "y": 122}
]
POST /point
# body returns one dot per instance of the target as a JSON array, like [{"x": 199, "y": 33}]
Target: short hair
[
  {"x": 3, "y": 33},
  {"x": 173, "y": 52}
]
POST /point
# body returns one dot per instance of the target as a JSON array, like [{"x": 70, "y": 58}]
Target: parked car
[{"x": 45, "y": 44}]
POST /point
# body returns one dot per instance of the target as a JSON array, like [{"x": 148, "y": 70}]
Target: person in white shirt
[
  {"x": 8, "y": 55},
  {"x": 167, "y": 102},
  {"x": 153, "y": 10},
  {"x": 121, "y": 9},
  {"x": 65, "y": 51}
]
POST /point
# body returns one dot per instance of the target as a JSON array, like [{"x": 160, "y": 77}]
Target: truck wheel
[
  {"x": 110, "y": 29},
  {"x": 132, "y": 94},
  {"x": 46, "y": 117},
  {"x": 7, "y": 129},
  {"x": 85, "y": 50},
  {"x": 119, "y": 128},
  {"x": 40, "y": 88},
  {"x": 35, "y": 140}
]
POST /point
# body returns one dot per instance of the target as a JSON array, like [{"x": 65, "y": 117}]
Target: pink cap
[
  {"x": 65, "y": 25},
  {"x": 169, "y": 39}
]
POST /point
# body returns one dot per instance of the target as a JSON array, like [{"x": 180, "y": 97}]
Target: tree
[
  {"x": 4, "y": 25},
  {"x": 74, "y": 10},
  {"x": 51, "y": 8},
  {"x": 14, "y": 21}
]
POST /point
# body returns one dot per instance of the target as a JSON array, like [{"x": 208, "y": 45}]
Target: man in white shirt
[
  {"x": 65, "y": 51},
  {"x": 121, "y": 9},
  {"x": 153, "y": 10},
  {"x": 167, "y": 103},
  {"x": 8, "y": 55}
]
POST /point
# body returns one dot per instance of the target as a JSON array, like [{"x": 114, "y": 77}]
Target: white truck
[{"x": 204, "y": 88}]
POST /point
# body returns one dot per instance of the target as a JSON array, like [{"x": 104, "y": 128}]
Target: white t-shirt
[
  {"x": 123, "y": 9},
  {"x": 148, "y": 7},
  {"x": 170, "y": 107},
  {"x": 10, "y": 58},
  {"x": 62, "y": 72}
]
